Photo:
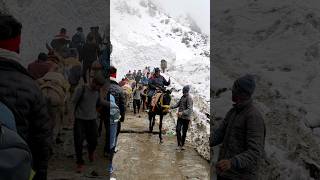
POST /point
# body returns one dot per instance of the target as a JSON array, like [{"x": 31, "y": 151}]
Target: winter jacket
[
  {"x": 136, "y": 94},
  {"x": 78, "y": 41},
  {"x": 38, "y": 69},
  {"x": 60, "y": 42},
  {"x": 155, "y": 82},
  {"x": 184, "y": 105},
  {"x": 118, "y": 94},
  {"x": 96, "y": 37},
  {"x": 242, "y": 134},
  {"x": 23, "y": 93},
  {"x": 138, "y": 78},
  {"x": 89, "y": 53},
  {"x": 144, "y": 80},
  {"x": 84, "y": 103}
]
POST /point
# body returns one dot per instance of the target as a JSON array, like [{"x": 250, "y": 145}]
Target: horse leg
[
  {"x": 150, "y": 122},
  {"x": 160, "y": 128}
]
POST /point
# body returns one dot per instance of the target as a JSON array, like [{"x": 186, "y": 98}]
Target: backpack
[
  {"x": 114, "y": 110},
  {"x": 15, "y": 155}
]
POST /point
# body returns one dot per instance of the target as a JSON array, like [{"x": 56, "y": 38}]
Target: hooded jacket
[{"x": 185, "y": 105}]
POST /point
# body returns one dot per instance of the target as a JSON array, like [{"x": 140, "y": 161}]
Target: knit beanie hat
[
  {"x": 186, "y": 89},
  {"x": 244, "y": 85}
]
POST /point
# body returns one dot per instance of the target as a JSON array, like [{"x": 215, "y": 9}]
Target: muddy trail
[{"x": 139, "y": 156}]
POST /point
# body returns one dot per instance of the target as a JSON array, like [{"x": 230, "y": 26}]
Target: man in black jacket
[
  {"x": 118, "y": 94},
  {"x": 23, "y": 94},
  {"x": 88, "y": 55},
  {"x": 242, "y": 135}
]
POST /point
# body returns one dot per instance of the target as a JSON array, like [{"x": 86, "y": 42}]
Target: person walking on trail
[
  {"x": 242, "y": 135},
  {"x": 118, "y": 94},
  {"x": 129, "y": 75},
  {"x": 61, "y": 41},
  {"x": 156, "y": 81},
  {"x": 137, "y": 99},
  {"x": 78, "y": 40},
  {"x": 185, "y": 105},
  {"x": 24, "y": 94},
  {"x": 134, "y": 74},
  {"x": 144, "y": 97},
  {"x": 145, "y": 80},
  {"x": 89, "y": 54},
  {"x": 85, "y": 100},
  {"x": 40, "y": 67},
  {"x": 138, "y": 77},
  {"x": 55, "y": 87},
  {"x": 95, "y": 36}
]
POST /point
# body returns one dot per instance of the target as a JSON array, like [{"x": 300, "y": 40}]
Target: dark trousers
[
  {"x": 149, "y": 102},
  {"x": 143, "y": 99},
  {"x": 182, "y": 124},
  {"x": 136, "y": 104},
  {"x": 119, "y": 128},
  {"x": 85, "y": 130},
  {"x": 86, "y": 67}
]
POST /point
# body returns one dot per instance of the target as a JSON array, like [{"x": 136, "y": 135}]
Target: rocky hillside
[{"x": 278, "y": 42}]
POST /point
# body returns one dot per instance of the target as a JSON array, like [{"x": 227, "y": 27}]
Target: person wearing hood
[
  {"x": 242, "y": 135},
  {"x": 185, "y": 109},
  {"x": 24, "y": 95}
]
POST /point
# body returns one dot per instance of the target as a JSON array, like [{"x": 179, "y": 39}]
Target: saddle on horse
[{"x": 157, "y": 100}]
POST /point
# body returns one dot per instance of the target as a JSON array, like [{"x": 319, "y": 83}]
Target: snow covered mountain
[
  {"x": 278, "y": 42},
  {"x": 142, "y": 35}
]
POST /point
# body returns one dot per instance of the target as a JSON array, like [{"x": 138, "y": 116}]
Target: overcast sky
[{"x": 198, "y": 9}]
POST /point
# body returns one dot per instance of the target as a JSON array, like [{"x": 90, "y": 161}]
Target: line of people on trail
[
  {"x": 33, "y": 100},
  {"x": 149, "y": 89}
]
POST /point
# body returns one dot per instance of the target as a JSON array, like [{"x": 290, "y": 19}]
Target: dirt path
[{"x": 140, "y": 157}]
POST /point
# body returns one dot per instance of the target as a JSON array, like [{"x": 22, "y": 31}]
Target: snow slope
[
  {"x": 277, "y": 41},
  {"x": 142, "y": 35}
]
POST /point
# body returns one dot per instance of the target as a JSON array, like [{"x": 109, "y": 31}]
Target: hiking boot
[
  {"x": 91, "y": 157},
  {"x": 178, "y": 148},
  {"x": 79, "y": 168},
  {"x": 182, "y": 148},
  {"x": 161, "y": 141}
]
